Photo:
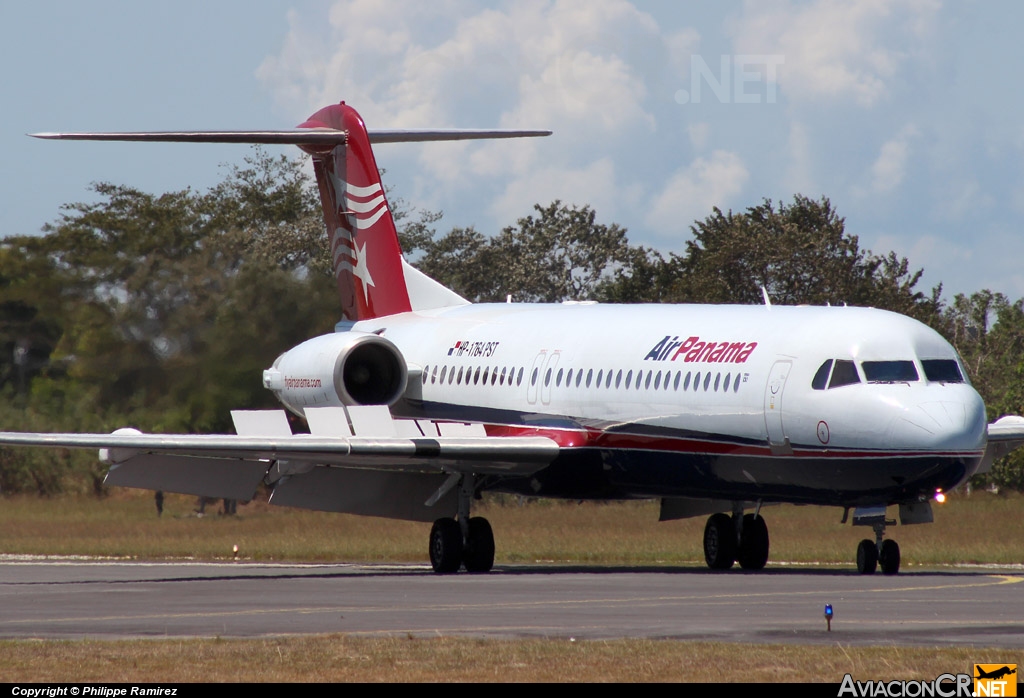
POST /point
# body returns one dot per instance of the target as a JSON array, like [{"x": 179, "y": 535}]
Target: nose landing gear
[{"x": 872, "y": 554}]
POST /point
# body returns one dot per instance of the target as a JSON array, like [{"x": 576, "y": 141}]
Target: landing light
[{"x": 940, "y": 496}]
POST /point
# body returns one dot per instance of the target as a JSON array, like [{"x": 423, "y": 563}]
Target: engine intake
[{"x": 346, "y": 368}]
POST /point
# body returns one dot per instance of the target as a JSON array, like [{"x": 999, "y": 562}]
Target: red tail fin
[{"x": 364, "y": 242}]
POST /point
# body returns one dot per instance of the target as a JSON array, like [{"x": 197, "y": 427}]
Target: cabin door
[{"x": 777, "y": 440}]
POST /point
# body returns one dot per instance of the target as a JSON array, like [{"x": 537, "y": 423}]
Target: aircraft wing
[
  {"x": 1004, "y": 435},
  {"x": 404, "y": 461},
  {"x": 483, "y": 455}
]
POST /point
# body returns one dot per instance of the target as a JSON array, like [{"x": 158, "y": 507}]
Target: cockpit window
[
  {"x": 890, "y": 371},
  {"x": 845, "y": 373},
  {"x": 821, "y": 377},
  {"x": 942, "y": 371}
]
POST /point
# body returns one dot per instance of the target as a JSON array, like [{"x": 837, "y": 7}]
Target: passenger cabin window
[
  {"x": 942, "y": 371},
  {"x": 889, "y": 371}
]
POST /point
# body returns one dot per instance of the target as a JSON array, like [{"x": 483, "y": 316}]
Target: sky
[{"x": 905, "y": 114}]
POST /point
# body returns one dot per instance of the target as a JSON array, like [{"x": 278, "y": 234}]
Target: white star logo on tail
[
  {"x": 360, "y": 208},
  {"x": 362, "y": 271}
]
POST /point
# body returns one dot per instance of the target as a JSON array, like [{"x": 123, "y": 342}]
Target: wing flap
[
  {"x": 206, "y": 477},
  {"x": 368, "y": 493}
]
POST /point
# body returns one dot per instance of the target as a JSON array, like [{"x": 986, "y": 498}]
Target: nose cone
[{"x": 954, "y": 421}]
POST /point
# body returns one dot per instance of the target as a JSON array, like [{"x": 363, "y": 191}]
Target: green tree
[
  {"x": 159, "y": 311},
  {"x": 561, "y": 253},
  {"x": 988, "y": 332},
  {"x": 801, "y": 253}
]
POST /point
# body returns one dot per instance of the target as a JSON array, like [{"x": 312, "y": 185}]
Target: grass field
[
  {"x": 979, "y": 529},
  {"x": 341, "y": 658}
]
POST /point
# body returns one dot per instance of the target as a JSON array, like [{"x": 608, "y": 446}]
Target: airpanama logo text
[
  {"x": 693, "y": 349},
  {"x": 301, "y": 382},
  {"x": 464, "y": 348},
  {"x": 944, "y": 686}
]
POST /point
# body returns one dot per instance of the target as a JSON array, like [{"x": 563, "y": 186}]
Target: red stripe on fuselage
[{"x": 597, "y": 438}]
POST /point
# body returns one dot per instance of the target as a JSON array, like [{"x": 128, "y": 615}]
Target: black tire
[
  {"x": 478, "y": 555},
  {"x": 446, "y": 546},
  {"x": 889, "y": 557},
  {"x": 720, "y": 542},
  {"x": 753, "y": 551},
  {"x": 867, "y": 557}
]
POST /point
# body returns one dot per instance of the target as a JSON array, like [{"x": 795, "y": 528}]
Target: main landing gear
[
  {"x": 739, "y": 538},
  {"x": 872, "y": 554},
  {"x": 465, "y": 542},
  {"x": 450, "y": 548}
]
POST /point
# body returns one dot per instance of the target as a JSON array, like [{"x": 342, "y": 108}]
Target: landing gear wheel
[
  {"x": 867, "y": 557},
  {"x": 889, "y": 557},
  {"x": 478, "y": 555},
  {"x": 446, "y": 546},
  {"x": 720, "y": 542},
  {"x": 753, "y": 550}
]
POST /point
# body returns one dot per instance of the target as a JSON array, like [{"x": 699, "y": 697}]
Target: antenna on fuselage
[{"x": 764, "y": 294}]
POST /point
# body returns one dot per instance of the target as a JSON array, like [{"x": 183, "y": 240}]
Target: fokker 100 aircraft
[{"x": 420, "y": 401}]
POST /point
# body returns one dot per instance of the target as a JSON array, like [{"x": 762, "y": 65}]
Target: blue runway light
[{"x": 828, "y": 616}]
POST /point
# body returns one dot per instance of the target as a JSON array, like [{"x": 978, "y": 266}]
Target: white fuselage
[{"x": 708, "y": 400}]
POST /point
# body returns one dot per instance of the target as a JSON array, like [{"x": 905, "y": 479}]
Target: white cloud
[
  {"x": 890, "y": 167},
  {"x": 414, "y": 65},
  {"x": 962, "y": 198},
  {"x": 799, "y": 178},
  {"x": 604, "y": 75},
  {"x": 926, "y": 251},
  {"x": 692, "y": 192},
  {"x": 578, "y": 68},
  {"x": 593, "y": 184},
  {"x": 699, "y": 134},
  {"x": 832, "y": 48},
  {"x": 987, "y": 258},
  {"x": 1017, "y": 197}
]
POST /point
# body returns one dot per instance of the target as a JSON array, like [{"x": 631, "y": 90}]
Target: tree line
[{"x": 160, "y": 311}]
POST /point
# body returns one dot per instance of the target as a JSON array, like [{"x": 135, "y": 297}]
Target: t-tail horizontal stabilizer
[
  {"x": 295, "y": 136},
  {"x": 371, "y": 277}
]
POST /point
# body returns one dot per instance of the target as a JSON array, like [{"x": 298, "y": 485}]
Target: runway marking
[
  {"x": 158, "y": 616},
  {"x": 714, "y": 599}
]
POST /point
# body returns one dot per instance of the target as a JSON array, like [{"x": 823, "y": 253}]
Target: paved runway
[{"x": 113, "y": 600}]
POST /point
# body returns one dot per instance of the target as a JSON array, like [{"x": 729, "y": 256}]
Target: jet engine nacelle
[{"x": 346, "y": 368}]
